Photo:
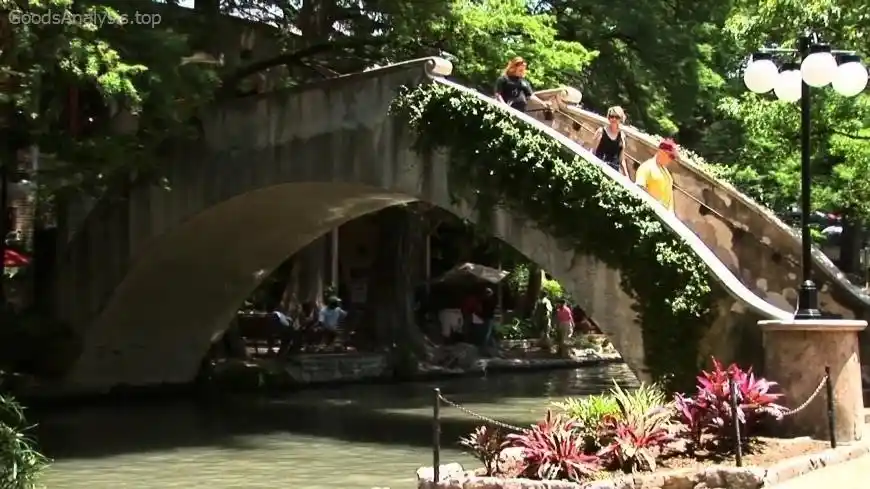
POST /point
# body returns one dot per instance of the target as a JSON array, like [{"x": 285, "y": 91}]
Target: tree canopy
[{"x": 675, "y": 67}]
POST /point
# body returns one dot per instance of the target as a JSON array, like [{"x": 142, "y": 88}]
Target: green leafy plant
[
  {"x": 635, "y": 443},
  {"x": 485, "y": 443},
  {"x": 638, "y": 402},
  {"x": 517, "y": 329},
  {"x": 553, "y": 289},
  {"x": 21, "y": 463},
  {"x": 503, "y": 160},
  {"x": 552, "y": 449},
  {"x": 588, "y": 412},
  {"x": 634, "y": 435}
]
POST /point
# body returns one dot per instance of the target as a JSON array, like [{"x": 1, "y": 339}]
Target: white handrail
[{"x": 831, "y": 270}]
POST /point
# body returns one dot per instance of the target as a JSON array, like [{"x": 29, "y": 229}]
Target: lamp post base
[
  {"x": 808, "y": 301},
  {"x": 796, "y": 353}
]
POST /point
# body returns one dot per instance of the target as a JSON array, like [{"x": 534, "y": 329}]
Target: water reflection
[{"x": 361, "y": 436}]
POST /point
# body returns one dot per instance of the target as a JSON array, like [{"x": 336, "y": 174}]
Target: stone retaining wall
[
  {"x": 349, "y": 367},
  {"x": 453, "y": 476},
  {"x": 310, "y": 369}
]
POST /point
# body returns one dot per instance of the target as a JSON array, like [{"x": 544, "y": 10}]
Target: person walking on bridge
[
  {"x": 512, "y": 87},
  {"x": 654, "y": 177},
  {"x": 608, "y": 143}
]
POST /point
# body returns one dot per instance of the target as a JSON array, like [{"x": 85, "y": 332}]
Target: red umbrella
[{"x": 12, "y": 258}]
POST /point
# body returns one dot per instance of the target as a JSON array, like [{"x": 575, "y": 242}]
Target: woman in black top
[
  {"x": 609, "y": 141},
  {"x": 512, "y": 87}
]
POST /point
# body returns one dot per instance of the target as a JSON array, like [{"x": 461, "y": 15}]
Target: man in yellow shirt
[{"x": 654, "y": 177}]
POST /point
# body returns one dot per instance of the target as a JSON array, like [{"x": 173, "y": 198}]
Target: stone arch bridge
[{"x": 148, "y": 281}]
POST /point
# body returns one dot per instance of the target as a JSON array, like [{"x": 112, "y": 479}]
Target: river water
[{"x": 348, "y": 438}]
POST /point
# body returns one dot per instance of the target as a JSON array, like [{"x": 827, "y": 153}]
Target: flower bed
[
  {"x": 716, "y": 476},
  {"x": 643, "y": 439}
]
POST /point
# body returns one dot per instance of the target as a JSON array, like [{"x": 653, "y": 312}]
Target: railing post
[
  {"x": 436, "y": 436},
  {"x": 829, "y": 389},
  {"x": 735, "y": 417}
]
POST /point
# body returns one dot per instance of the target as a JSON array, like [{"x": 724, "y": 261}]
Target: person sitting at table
[{"x": 330, "y": 319}]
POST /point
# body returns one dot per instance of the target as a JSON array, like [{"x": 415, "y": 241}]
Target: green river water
[{"x": 351, "y": 437}]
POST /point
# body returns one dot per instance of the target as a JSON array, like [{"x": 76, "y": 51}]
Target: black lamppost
[{"x": 818, "y": 67}]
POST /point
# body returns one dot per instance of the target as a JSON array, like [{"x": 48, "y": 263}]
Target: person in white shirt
[{"x": 330, "y": 318}]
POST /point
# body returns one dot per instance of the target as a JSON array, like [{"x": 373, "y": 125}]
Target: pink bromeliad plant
[
  {"x": 709, "y": 411},
  {"x": 554, "y": 449}
]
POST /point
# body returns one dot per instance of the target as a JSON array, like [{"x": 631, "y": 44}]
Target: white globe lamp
[
  {"x": 761, "y": 74},
  {"x": 850, "y": 78},
  {"x": 819, "y": 67},
  {"x": 789, "y": 85}
]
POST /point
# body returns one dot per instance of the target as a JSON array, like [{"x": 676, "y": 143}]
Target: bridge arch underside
[{"x": 184, "y": 289}]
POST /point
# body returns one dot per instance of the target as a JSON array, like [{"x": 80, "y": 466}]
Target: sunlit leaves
[
  {"x": 766, "y": 162},
  {"x": 21, "y": 463},
  {"x": 486, "y": 34}
]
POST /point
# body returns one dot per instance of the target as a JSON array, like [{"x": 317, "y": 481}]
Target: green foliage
[
  {"x": 518, "y": 280},
  {"x": 664, "y": 65},
  {"x": 21, "y": 463},
  {"x": 765, "y": 161},
  {"x": 553, "y": 289},
  {"x": 767, "y": 165},
  {"x": 113, "y": 69},
  {"x": 522, "y": 169},
  {"x": 589, "y": 412},
  {"x": 517, "y": 329},
  {"x": 484, "y": 35},
  {"x": 635, "y": 405}
]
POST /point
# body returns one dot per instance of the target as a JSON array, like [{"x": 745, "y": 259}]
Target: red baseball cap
[{"x": 669, "y": 147}]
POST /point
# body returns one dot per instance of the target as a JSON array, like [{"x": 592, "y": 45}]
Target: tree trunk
[
  {"x": 850, "y": 245},
  {"x": 533, "y": 291},
  {"x": 396, "y": 272},
  {"x": 291, "y": 283}
]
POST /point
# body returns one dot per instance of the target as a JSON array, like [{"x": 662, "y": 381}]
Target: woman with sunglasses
[
  {"x": 512, "y": 87},
  {"x": 609, "y": 141}
]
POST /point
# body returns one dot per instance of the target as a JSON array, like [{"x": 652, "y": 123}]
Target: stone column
[
  {"x": 796, "y": 353},
  {"x": 312, "y": 261},
  {"x": 333, "y": 259}
]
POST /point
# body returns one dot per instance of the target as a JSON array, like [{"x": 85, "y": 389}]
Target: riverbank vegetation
[
  {"x": 21, "y": 463},
  {"x": 626, "y": 432}
]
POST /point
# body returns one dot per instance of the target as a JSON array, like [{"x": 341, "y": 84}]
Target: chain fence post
[
  {"x": 829, "y": 388},
  {"x": 436, "y": 435},
  {"x": 735, "y": 416}
]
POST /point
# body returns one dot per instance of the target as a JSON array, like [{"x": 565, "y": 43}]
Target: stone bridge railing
[{"x": 752, "y": 241}]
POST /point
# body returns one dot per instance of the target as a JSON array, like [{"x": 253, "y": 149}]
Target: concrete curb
[{"x": 797, "y": 466}]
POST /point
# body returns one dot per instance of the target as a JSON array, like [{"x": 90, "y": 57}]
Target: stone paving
[{"x": 848, "y": 475}]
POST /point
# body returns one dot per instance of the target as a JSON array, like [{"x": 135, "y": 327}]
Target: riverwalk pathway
[{"x": 850, "y": 475}]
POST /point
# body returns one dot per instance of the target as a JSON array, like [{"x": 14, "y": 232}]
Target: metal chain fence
[
  {"x": 481, "y": 417},
  {"x": 439, "y": 399},
  {"x": 822, "y": 384}
]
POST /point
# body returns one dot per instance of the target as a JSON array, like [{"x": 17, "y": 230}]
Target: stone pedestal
[{"x": 795, "y": 355}]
